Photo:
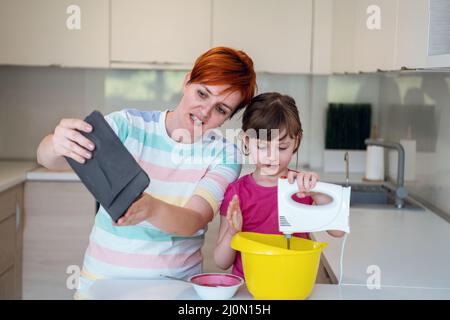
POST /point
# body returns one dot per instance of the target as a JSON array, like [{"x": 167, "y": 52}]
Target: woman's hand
[
  {"x": 69, "y": 142},
  {"x": 234, "y": 216},
  {"x": 305, "y": 181},
  {"x": 138, "y": 212}
]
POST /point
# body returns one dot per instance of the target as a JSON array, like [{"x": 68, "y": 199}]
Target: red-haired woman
[{"x": 163, "y": 232}]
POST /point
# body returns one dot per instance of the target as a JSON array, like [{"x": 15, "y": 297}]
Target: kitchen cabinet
[
  {"x": 46, "y": 32},
  {"x": 343, "y": 38},
  {"x": 322, "y": 35},
  {"x": 11, "y": 227},
  {"x": 403, "y": 38},
  {"x": 364, "y": 35},
  {"x": 375, "y": 35},
  {"x": 412, "y": 34},
  {"x": 7, "y": 280},
  {"x": 423, "y": 25},
  {"x": 159, "y": 33},
  {"x": 276, "y": 34},
  {"x": 59, "y": 218}
]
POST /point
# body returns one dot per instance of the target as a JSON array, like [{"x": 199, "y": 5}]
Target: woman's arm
[
  {"x": 224, "y": 255},
  {"x": 65, "y": 141},
  {"x": 183, "y": 221},
  {"x": 200, "y": 208},
  {"x": 47, "y": 157}
]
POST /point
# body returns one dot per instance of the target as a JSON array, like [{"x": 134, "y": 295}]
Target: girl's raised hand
[
  {"x": 305, "y": 181},
  {"x": 68, "y": 141},
  {"x": 234, "y": 216}
]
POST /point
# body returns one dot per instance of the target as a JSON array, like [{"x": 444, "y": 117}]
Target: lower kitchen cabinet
[
  {"x": 11, "y": 227},
  {"x": 7, "y": 285},
  {"x": 59, "y": 218}
]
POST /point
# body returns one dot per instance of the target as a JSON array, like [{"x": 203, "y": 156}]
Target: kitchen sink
[{"x": 378, "y": 196}]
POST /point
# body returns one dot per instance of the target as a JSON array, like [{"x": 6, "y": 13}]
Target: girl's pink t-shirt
[{"x": 259, "y": 210}]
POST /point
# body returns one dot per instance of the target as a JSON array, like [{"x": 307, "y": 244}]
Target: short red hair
[{"x": 226, "y": 66}]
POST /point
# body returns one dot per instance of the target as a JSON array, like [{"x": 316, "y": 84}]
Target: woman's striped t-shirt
[{"x": 177, "y": 172}]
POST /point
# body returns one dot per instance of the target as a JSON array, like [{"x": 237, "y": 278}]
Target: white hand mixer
[{"x": 297, "y": 217}]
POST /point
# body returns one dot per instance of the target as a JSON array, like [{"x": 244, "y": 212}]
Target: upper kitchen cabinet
[
  {"x": 372, "y": 35},
  {"x": 276, "y": 34},
  {"x": 343, "y": 36},
  {"x": 322, "y": 34},
  {"x": 375, "y": 35},
  {"x": 72, "y": 33},
  {"x": 423, "y": 34},
  {"x": 364, "y": 35},
  {"x": 159, "y": 33}
]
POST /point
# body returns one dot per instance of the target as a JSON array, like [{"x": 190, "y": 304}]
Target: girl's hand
[
  {"x": 67, "y": 141},
  {"x": 305, "y": 181},
  {"x": 234, "y": 216},
  {"x": 138, "y": 212}
]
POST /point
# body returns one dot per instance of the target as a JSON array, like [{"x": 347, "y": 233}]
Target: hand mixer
[{"x": 297, "y": 217}]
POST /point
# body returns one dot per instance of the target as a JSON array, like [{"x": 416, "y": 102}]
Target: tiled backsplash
[
  {"x": 33, "y": 100},
  {"x": 421, "y": 101}
]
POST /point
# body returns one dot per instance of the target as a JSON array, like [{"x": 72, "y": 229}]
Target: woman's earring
[{"x": 245, "y": 149}]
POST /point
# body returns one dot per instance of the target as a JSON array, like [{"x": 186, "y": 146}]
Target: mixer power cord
[{"x": 341, "y": 260}]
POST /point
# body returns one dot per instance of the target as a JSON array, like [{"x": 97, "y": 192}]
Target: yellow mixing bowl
[{"x": 272, "y": 271}]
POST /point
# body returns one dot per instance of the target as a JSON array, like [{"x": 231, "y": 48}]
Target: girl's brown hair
[
  {"x": 273, "y": 110},
  {"x": 226, "y": 66}
]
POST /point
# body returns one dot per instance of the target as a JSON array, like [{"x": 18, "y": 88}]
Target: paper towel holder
[
  {"x": 400, "y": 192},
  {"x": 378, "y": 175}
]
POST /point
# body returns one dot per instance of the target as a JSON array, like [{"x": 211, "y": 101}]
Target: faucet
[{"x": 400, "y": 192}]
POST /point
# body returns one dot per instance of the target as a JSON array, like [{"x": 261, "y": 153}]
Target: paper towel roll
[
  {"x": 410, "y": 160},
  {"x": 375, "y": 163}
]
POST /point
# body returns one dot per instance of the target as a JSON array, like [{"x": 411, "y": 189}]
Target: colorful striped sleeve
[
  {"x": 213, "y": 185},
  {"x": 119, "y": 122}
]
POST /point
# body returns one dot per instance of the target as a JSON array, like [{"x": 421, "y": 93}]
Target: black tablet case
[{"x": 112, "y": 175}]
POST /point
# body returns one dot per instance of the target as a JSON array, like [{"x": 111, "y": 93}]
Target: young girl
[{"x": 250, "y": 203}]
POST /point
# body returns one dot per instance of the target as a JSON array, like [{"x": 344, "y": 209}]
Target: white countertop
[
  {"x": 410, "y": 248},
  {"x": 44, "y": 174},
  {"x": 175, "y": 290},
  {"x": 14, "y": 172},
  {"x": 36, "y": 172},
  {"x": 123, "y": 289}
]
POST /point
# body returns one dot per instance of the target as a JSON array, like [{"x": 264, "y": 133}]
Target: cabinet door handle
[{"x": 18, "y": 216}]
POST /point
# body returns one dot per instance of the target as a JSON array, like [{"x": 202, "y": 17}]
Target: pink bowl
[
  {"x": 216, "y": 285},
  {"x": 216, "y": 280}
]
